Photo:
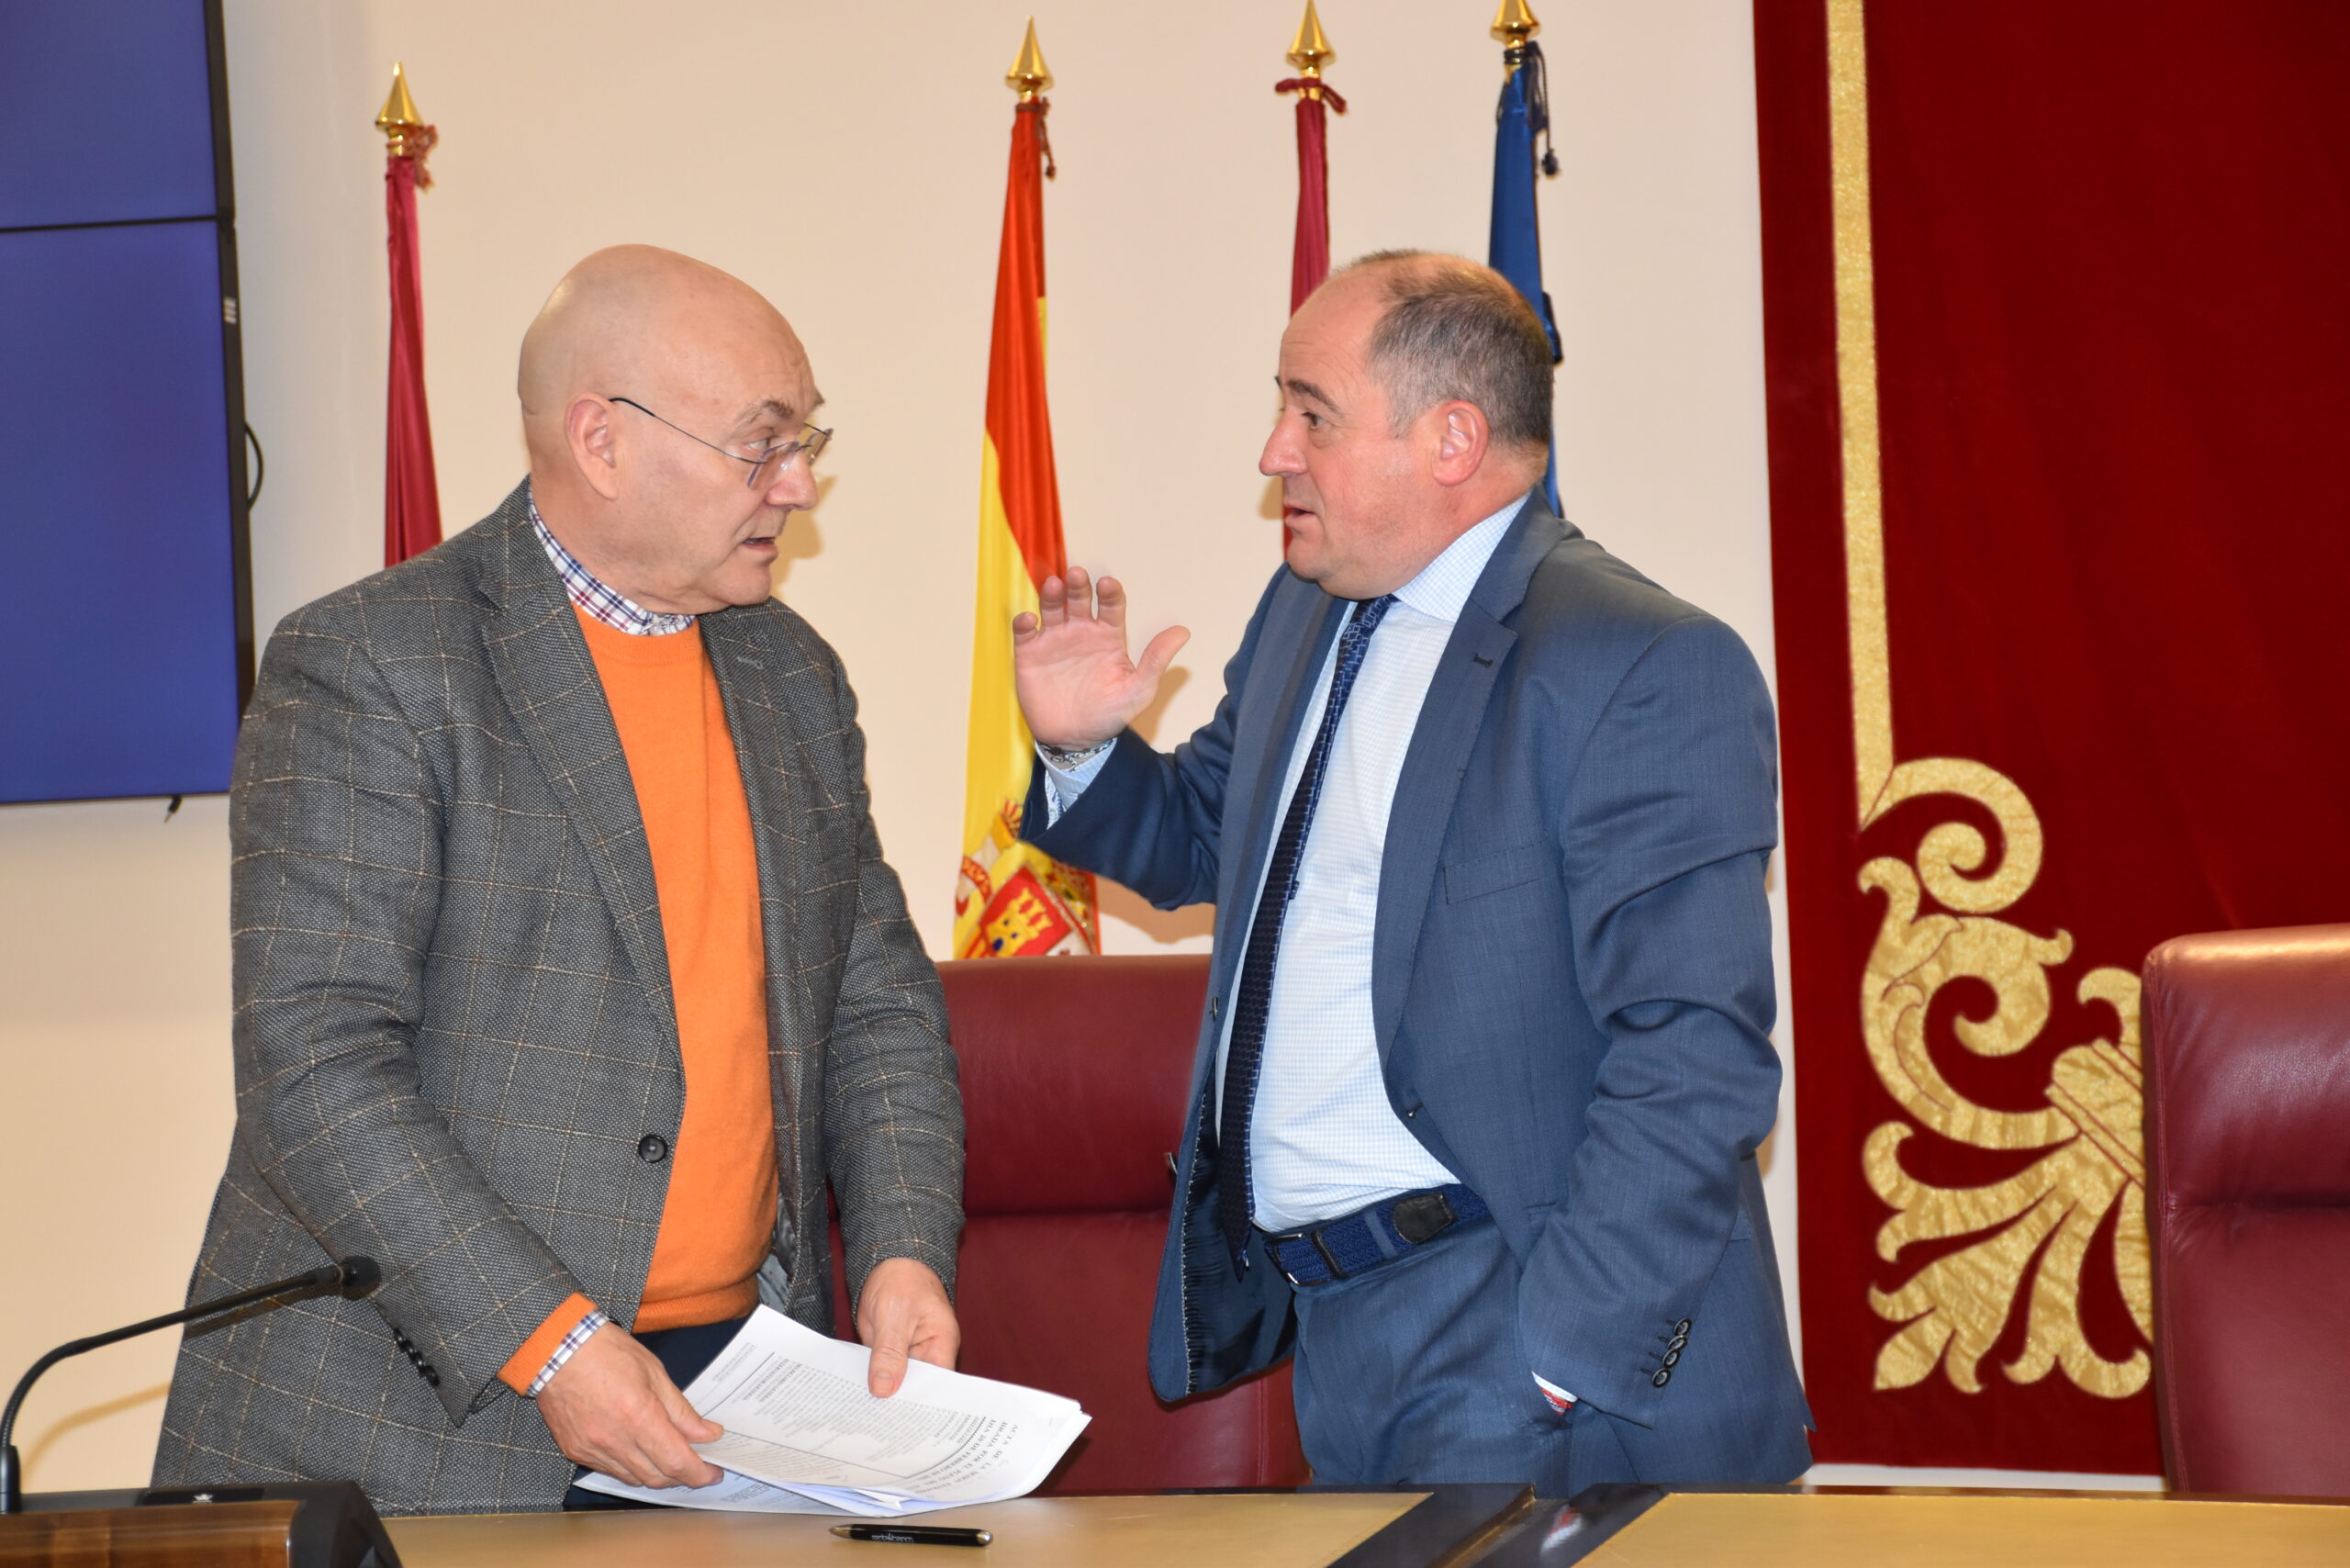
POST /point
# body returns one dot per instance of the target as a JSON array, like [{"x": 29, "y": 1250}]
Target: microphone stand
[{"x": 355, "y": 1275}]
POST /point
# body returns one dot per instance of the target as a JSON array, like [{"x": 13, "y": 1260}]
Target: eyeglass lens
[{"x": 771, "y": 463}]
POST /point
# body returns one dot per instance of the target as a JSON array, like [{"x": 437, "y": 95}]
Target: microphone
[{"x": 352, "y": 1276}]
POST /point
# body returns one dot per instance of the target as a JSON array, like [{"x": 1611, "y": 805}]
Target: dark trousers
[
  {"x": 1413, "y": 1374},
  {"x": 684, "y": 1353}
]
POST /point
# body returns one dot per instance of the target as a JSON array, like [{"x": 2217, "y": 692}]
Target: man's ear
[
  {"x": 1463, "y": 438},
  {"x": 588, "y": 430}
]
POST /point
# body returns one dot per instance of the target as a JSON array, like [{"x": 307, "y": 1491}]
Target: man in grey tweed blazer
[{"x": 456, "y": 1049}]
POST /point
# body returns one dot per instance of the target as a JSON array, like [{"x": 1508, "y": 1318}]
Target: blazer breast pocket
[{"x": 1476, "y": 876}]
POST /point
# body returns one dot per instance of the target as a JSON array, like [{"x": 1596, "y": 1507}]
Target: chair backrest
[
  {"x": 2248, "y": 1195},
  {"x": 1075, "y": 1071}
]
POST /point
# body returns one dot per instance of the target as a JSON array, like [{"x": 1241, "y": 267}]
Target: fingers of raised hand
[
  {"x": 1052, "y": 603},
  {"x": 1161, "y": 652},
  {"x": 1111, "y": 596},
  {"x": 1080, "y": 594}
]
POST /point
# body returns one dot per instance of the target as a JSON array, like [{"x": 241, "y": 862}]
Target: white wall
[{"x": 853, "y": 171}]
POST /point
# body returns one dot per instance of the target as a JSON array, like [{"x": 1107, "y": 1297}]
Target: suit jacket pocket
[{"x": 1478, "y": 875}]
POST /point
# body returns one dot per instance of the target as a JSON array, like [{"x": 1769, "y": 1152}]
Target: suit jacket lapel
[
  {"x": 552, "y": 689},
  {"x": 1450, "y": 720}
]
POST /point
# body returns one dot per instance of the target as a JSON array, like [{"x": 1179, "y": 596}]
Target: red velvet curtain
[{"x": 2058, "y": 337}]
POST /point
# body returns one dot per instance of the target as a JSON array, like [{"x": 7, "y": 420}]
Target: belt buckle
[{"x": 1312, "y": 1235}]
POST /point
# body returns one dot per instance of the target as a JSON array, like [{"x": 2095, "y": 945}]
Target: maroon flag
[
  {"x": 411, "y": 493},
  {"x": 1310, "y": 258}
]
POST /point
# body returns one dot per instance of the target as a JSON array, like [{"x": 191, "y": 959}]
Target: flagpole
[
  {"x": 1309, "y": 51},
  {"x": 412, "y": 493}
]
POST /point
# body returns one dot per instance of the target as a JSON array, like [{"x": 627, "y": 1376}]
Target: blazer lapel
[
  {"x": 551, "y": 686},
  {"x": 1450, "y": 717}
]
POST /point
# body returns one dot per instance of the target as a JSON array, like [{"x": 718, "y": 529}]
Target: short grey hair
[{"x": 1454, "y": 330}]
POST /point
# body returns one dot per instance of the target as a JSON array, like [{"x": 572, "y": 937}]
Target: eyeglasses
[{"x": 771, "y": 460}]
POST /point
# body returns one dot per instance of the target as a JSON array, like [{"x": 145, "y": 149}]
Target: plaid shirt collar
[{"x": 614, "y": 609}]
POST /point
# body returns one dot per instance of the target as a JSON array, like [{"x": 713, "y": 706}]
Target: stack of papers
[{"x": 803, "y": 1435}]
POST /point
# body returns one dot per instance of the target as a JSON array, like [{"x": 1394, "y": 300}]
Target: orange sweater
[{"x": 719, "y": 1213}]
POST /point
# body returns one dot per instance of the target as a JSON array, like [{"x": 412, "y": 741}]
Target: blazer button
[
  {"x": 1663, "y": 1377},
  {"x": 652, "y": 1148},
  {"x": 1682, "y": 1328}
]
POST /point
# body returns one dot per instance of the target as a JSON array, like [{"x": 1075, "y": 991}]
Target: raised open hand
[{"x": 1069, "y": 665}]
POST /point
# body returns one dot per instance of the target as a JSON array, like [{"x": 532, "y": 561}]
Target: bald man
[{"x": 569, "y": 974}]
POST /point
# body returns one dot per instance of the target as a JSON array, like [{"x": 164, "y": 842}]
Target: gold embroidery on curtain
[{"x": 2034, "y": 1231}]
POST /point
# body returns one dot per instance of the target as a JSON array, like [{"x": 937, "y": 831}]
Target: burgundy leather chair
[
  {"x": 2248, "y": 1181},
  {"x": 1074, "y": 1076}
]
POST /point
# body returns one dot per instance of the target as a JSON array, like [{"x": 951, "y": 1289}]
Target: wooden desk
[
  {"x": 1637, "y": 1526},
  {"x": 1430, "y": 1528}
]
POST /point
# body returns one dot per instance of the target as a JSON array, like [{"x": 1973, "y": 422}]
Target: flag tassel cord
[
  {"x": 1527, "y": 56},
  {"x": 1040, "y": 107},
  {"x": 1299, "y": 83}
]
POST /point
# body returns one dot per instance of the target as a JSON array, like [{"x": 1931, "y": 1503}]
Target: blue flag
[{"x": 1515, "y": 247}]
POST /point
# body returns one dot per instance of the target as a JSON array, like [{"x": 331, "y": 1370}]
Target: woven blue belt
[{"x": 1341, "y": 1248}]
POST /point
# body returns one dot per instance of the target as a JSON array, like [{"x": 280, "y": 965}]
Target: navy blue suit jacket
[{"x": 1571, "y": 981}]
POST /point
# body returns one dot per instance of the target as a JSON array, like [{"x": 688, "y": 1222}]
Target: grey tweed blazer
[{"x": 453, "y": 1028}]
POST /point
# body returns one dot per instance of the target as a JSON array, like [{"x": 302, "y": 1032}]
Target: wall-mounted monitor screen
[{"x": 122, "y": 466}]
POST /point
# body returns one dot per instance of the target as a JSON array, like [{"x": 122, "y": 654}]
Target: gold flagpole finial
[
  {"x": 399, "y": 117},
  {"x": 1029, "y": 75},
  {"x": 1514, "y": 23},
  {"x": 1311, "y": 51},
  {"x": 405, "y": 133}
]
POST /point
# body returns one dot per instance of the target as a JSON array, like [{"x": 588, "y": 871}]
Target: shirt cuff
[
  {"x": 1064, "y": 785},
  {"x": 1560, "y": 1400},
  {"x": 550, "y": 1345}
]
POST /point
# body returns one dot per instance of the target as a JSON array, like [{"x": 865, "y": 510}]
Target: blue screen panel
[
  {"x": 108, "y": 110},
  {"x": 117, "y": 534}
]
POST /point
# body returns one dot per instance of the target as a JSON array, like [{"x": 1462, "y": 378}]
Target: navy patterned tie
[{"x": 1235, "y": 1199}]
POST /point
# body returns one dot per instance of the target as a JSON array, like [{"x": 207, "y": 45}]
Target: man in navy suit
[{"x": 1486, "y": 1054}]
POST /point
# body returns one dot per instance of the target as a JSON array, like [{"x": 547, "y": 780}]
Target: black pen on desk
[{"x": 915, "y": 1535}]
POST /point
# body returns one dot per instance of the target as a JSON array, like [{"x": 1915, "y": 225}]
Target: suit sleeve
[
  {"x": 1151, "y": 820},
  {"x": 1665, "y": 835},
  {"x": 335, "y": 888},
  {"x": 893, "y": 1112}
]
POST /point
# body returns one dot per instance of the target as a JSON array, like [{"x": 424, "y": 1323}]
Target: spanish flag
[{"x": 1012, "y": 899}]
